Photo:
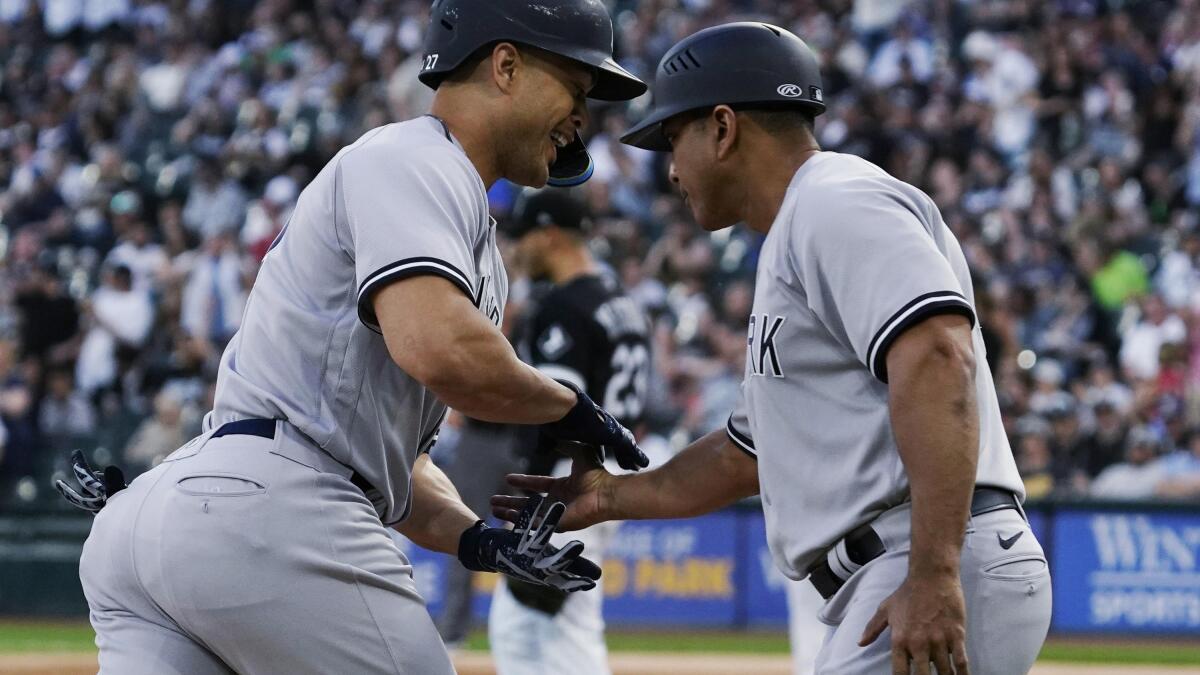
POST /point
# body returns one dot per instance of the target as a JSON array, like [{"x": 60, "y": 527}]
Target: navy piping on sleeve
[
  {"x": 402, "y": 269},
  {"x": 742, "y": 441},
  {"x": 921, "y": 307}
]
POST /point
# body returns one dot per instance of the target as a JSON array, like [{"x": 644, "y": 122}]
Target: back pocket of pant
[
  {"x": 220, "y": 485},
  {"x": 1016, "y": 568}
]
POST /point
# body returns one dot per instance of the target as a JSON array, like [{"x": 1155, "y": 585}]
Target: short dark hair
[
  {"x": 464, "y": 70},
  {"x": 774, "y": 119},
  {"x": 780, "y": 119}
]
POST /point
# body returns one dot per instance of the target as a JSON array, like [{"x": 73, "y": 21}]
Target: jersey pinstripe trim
[
  {"x": 920, "y": 307},
  {"x": 742, "y": 441},
  {"x": 402, "y": 269}
]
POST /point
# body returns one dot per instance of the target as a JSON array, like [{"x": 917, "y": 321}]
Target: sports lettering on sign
[{"x": 1137, "y": 572}]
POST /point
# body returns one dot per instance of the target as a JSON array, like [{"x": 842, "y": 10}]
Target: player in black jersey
[{"x": 581, "y": 328}]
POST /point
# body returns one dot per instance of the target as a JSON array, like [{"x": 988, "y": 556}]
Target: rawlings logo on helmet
[{"x": 789, "y": 90}]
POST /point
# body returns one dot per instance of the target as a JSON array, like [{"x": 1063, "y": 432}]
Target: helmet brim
[
  {"x": 614, "y": 83},
  {"x": 648, "y": 133}
]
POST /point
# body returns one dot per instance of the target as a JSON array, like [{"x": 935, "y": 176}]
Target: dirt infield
[{"x": 622, "y": 664}]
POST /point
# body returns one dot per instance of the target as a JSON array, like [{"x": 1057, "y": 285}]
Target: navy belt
[
  {"x": 265, "y": 428},
  {"x": 864, "y": 545}
]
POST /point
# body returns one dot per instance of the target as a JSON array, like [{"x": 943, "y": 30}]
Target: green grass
[
  {"x": 679, "y": 642},
  {"x": 45, "y": 636},
  {"x": 70, "y": 636},
  {"x": 1167, "y": 653}
]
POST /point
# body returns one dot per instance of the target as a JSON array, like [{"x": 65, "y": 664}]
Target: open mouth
[{"x": 558, "y": 141}]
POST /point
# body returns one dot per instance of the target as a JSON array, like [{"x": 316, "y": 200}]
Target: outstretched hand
[{"x": 587, "y": 492}]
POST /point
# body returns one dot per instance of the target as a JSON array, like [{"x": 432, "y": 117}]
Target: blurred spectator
[
  {"x": 215, "y": 204},
  {"x": 159, "y": 435},
  {"x": 1181, "y": 470},
  {"x": 120, "y": 318},
  {"x": 1106, "y": 445},
  {"x": 1068, "y": 445},
  {"x": 1035, "y": 459},
  {"x": 1141, "y": 344},
  {"x": 213, "y": 296},
  {"x": 266, "y": 217},
  {"x": 49, "y": 316},
  {"x": 65, "y": 414},
  {"x": 19, "y": 452},
  {"x": 1138, "y": 476},
  {"x": 146, "y": 260}
]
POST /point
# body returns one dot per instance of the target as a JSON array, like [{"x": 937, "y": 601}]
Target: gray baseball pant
[
  {"x": 256, "y": 556},
  {"x": 1007, "y": 594}
]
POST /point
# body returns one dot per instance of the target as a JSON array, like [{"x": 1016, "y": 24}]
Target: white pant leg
[
  {"x": 526, "y": 641},
  {"x": 805, "y": 630}
]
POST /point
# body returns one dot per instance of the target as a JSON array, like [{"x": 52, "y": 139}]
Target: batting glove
[
  {"x": 525, "y": 552},
  {"x": 590, "y": 424},
  {"x": 96, "y": 487}
]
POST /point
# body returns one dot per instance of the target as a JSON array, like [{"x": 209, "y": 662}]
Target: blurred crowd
[{"x": 151, "y": 150}]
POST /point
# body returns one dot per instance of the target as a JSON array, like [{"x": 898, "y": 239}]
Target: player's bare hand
[
  {"x": 587, "y": 492},
  {"x": 928, "y": 621}
]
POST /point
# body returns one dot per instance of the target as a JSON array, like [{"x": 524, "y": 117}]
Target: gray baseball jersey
[
  {"x": 853, "y": 259},
  {"x": 403, "y": 200}
]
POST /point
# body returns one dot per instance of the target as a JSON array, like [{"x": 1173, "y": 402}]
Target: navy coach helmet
[
  {"x": 580, "y": 30},
  {"x": 746, "y": 63}
]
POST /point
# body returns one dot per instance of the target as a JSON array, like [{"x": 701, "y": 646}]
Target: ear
[
  {"x": 506, "y": 61},
  {"x": 725, "y": 126}
]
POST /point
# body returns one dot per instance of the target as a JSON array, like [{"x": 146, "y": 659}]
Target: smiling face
[
  {"x": 548, "y": 106},
  {"x": 704, "y": 181}
]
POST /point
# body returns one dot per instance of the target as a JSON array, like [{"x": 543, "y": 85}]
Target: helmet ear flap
[{"x": 573, "y": 165}]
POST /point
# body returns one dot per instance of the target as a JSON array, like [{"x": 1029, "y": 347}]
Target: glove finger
[
  {"x": 569, "y": 559},
  {"x": 554, "y": 559},
  {"x": 528, "y": 513},
  {"x": 570, "y": 582},
  {"x": 585, "y": 568},
  {"x": 87, "y": 480},
  {"x": 549, "y": 524},
  {"x": 518, "y": 572},
  {"x": 631, "y": 457},
  {"x": 92, "y": 504},
  {"x": 78, "y": 459},
  {"x": 537, "y": 536}
]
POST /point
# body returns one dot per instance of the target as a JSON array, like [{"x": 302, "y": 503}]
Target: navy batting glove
[
  {"x": 590, "y": 424},
  {"x": 96, "y": 488},
  {"x": 525, "y": 552}
]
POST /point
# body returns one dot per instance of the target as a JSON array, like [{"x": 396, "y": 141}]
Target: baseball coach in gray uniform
[
  {"x": 868, "y": 421},
  {"x": 259, "y": 547}
]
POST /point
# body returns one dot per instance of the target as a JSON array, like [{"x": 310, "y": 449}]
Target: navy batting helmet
[
  {"x": 580, "y": 30},
  {"x": 745, "y": 63}
]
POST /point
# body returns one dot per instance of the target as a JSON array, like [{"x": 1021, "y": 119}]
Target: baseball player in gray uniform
[
  {"x": 260, "y": 546},
  {"x": 868, "y": 421}
]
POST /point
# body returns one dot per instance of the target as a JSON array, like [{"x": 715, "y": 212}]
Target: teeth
[{"x": 558, "y": 139}]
